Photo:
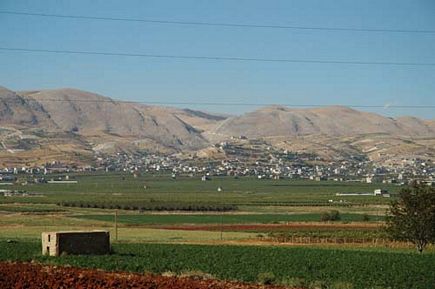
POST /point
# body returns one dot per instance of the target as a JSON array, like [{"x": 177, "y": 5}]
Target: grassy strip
[
  {"x": 29, "y": 209},
  {"x": 216, "y": 219}
]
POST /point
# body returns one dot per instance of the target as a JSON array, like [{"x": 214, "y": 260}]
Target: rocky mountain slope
[
  {"x": 20, "y": 111},
  {"x": 330, "y": 121},
  {"x": 43, "y": 125},
  {"x": 90, "y": 114},
  {"x": 73, "y": 125}
]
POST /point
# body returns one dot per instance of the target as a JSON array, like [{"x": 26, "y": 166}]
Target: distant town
[{"x": 253, "y": 158}]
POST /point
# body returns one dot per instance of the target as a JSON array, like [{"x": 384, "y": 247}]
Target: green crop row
[
  {"x": 328, "y": 268},
  {"x": 139, "y": 219}
]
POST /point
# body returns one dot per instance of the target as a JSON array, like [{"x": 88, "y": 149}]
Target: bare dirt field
[{"x": 32, "y": 276}]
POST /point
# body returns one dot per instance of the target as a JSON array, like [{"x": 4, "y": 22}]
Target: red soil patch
[{"x": 36, "y": 276}]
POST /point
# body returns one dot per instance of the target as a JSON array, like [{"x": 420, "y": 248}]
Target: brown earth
[{"x": 36, "y": 276}]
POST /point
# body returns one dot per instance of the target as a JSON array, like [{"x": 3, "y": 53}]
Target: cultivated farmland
[
  {"x": 255, "y": 231},
  {"x": 290, "y": 266}
]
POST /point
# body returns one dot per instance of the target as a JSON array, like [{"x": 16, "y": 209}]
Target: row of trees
[{"x": 153, "y": 206}]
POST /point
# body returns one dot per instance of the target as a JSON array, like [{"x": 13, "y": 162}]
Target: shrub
[
  {"x": 266, "y": 278},
  {"x": 365, "y": 218},
  {"x": 342, "y": 285},
  {"x": 295, "y": 282},
  {"x": 196, "y": 274},
  {"x": 333, "y": 215},
  {"x": 319, "y": 284}
]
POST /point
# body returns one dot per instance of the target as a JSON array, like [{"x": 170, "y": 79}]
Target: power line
[
  {"x": 218, "y": 24},
  {"x": 218, "y": 58},
  {"x": 228, "y": 103}
]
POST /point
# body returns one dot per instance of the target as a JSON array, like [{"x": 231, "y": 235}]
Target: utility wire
[
  {"x": 218, "y": 24},
  {"x": 224, "y": 103},
  {"x": 218, "y": 58}
]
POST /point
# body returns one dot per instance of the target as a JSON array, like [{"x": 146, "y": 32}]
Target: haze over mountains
[{"x": 40, "y": 125}]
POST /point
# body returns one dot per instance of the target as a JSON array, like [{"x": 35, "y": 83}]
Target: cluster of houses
[
  {"x": 266, "y": 162},
  {"x": 57, "y": 174},
  {"x": 16, "y": 193},
  {"x": 255, "y": 159}
]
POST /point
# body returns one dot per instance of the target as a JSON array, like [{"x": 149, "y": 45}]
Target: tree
[
  {"x": 412, "y": 217},
  {"x": 333, "y": 215},
  {"x": 365, "y": 218}
]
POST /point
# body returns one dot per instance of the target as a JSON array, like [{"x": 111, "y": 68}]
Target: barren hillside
[
  {"x": 91, "y": 114},
  {"x": 72, "y": 125},
  {"x": 329, "y": 121}
]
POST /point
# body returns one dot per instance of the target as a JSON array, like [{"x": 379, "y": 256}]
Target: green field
[
  {"x": 124, "y": 189},
  {"x": 262, "y": 215},
  {"x": 91, "y": 204},
  {"x": 216, "y": 219},
  {"x": 357, "y": 269}
]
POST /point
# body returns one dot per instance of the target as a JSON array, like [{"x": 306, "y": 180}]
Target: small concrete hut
[{"x": 75, "y": 243}]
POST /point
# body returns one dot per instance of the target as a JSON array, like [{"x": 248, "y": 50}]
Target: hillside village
[
  {"x": 252, "y": 158},
  {"x": 332, "y": 143}
]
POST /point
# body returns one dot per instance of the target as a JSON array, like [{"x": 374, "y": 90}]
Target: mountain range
[
  {"x": 331, "y": 121},
  {"x": 72, "y": 125}
]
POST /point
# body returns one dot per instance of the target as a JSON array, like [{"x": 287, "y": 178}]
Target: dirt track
[{"x": 35, "y": 276}]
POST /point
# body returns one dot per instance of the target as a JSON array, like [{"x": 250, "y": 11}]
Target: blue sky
[{"x": 171, "y": 80}]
